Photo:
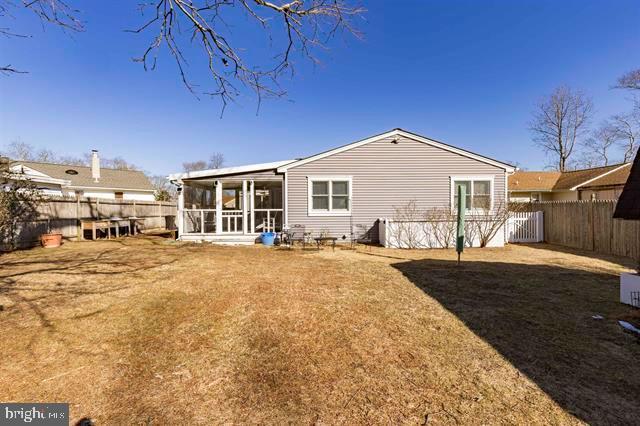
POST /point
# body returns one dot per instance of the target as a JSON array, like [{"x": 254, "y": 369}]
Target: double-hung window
[
  {"x": 478, "y": 192},
  {"x": 329, "y": 196}
]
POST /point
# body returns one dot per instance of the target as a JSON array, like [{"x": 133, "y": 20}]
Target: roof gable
[{"x": 402, "y": 133}]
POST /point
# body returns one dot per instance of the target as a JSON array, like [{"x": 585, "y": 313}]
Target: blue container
[{"x": 268, "y": 238}]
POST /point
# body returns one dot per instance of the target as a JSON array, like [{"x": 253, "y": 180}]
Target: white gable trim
[
  {"x": 397, "y": 132},
  {"x": 599, "y": 176},
  {"x": 22, "y": 172}
]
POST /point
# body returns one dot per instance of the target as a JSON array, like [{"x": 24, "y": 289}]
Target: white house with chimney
[{"x": 65, "y": 180}]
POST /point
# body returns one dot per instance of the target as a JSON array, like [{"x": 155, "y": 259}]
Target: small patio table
[{"x": 323, "y": 239}]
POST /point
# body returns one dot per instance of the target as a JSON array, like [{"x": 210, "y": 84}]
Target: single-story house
[
  {"x": 337, "y": 190},
  {"x": 598, "y": 183},
  {"x": 65, "y": 180}
]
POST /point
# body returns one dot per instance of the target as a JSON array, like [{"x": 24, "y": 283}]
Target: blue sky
[{"x": 467, "y": 73}]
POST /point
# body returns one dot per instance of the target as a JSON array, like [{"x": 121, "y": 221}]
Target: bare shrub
[
  {"x": 442, "y": 224},
  {"x": 488, "y": 222},
  {"x": 406, "y": 219},
  {"x": 18, "y": 203}
]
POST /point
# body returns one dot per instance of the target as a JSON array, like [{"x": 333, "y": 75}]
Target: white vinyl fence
[
  {"x": 431, "y": 234},
  {"x": 525, "y": 227}
]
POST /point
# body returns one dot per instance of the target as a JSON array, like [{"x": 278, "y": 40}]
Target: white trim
[
  {"x": 472, "y": 178},
  {"x": 396, "y": 132},
  {"x": 252, "y": 205},
  {"x": 328, "y": 178},
  {"x": 244, "y": 206},
  {"x": 181, "y": 211},
  {"x": 286, "y": 200},
  {"x": 599, "y": 176},
  {"x": 218, "y": 208},
  {"x": 229, "y": 170}
]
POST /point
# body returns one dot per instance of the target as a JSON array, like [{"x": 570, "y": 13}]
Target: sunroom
[{"x": 228, "y": 206}]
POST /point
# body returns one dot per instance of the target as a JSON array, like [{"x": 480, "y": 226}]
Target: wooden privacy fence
[
  {"x": 589, "y": 225},
  {"x": 63, "y": 215}
]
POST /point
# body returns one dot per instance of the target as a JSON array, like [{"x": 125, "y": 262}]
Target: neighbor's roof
[
  {"x": 576, "y": 178},
  {"x": 615, "y": 178},
  {"x": 628, "y": 206},
  {"x": 533, "y": 181},
  {"x": 109, "y": 178},
  {"x": 567, "y": 181},
  {"x": 403, "y": 133},
  {"x": 229, "y": 170}
]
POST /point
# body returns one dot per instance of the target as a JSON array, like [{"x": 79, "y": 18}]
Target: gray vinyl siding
[{"x": 385, "y": 176}]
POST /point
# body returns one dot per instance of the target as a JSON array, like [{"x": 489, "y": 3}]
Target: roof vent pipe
[{"x": 95, "y": 166}]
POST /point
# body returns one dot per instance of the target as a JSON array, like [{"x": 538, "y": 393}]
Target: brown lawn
[{"x": 145, "y": 331}]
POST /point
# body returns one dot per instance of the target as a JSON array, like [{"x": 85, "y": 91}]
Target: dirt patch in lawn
[{"x": 147, "y": 331}]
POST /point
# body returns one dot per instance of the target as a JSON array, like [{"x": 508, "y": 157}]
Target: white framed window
[
  {"x": 329, "y": 195},
  {"x": 478, "y": 190}
]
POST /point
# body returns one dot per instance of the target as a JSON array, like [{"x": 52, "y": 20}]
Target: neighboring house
[
  {"x": 598, "y": 183},
  {"x": 332, "y": 192},
  {"x": 72, "y": 181}
]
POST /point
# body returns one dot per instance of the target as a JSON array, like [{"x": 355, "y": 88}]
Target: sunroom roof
[{"x": 229, "y": 170}]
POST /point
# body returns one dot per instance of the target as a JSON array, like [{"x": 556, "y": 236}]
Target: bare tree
[
  {"x": 117, "y": 163},
  {"x": 599, "y": 145},
  {"x": 164, "y": 191},
  {"x": 289, "y": 26},
  {"x": 18, "y": 150},
  {"x": 627, "y": 128},
  {"x": 630, "y": 80},
  {"x": 56, "y": 12},
  {"x": 216, "y": 160},
  {"x": 192, "y": 166},
  {"x": 559, "y": 122}
]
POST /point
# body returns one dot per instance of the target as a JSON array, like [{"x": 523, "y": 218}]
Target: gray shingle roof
[{"x": 109, "y": 178}]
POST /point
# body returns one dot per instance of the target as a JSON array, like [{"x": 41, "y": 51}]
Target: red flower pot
[{"x": 51, "y": 240}]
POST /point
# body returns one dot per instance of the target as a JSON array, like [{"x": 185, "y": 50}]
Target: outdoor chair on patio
[
  {"x": 360, "y": 234},
  {"x": 298, "y": 233}
]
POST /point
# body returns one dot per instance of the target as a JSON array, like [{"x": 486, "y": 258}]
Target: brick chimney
[{"x": 95, "y": 166}]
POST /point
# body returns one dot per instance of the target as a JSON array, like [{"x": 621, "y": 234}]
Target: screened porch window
[
  {"x": 330, "y": 196},
  {"x": 477, "y": 190}
]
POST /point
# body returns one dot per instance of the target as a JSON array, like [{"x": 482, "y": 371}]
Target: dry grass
[{"x": 145, "y": 331}]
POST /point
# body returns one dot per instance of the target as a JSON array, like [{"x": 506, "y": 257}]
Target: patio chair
[
  {"x": 361, "y": 234},
  {"x": 298, "y": 233}
]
